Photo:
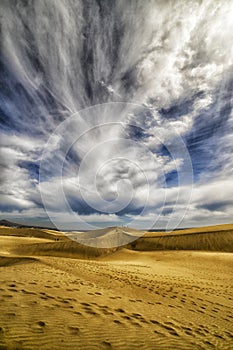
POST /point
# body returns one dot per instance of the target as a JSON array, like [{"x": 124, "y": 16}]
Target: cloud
[{"x": 170, "y": 62}]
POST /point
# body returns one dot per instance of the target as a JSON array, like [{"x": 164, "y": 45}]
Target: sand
[{"x": 57, "y": 294}]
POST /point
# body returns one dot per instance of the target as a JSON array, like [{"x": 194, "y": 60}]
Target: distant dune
[
  {"x": 211, "y": 238},
  {"x": 202, "y": 229},
  {"x": 31, "y": 232},
  {"x": 108, "y": 237},
  {"x": 66, "y": 248},
  {"x": 215, "y": 238}
]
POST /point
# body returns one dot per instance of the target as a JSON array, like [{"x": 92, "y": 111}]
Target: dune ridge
[
  {"x": 31, "y": 232},
  {"x": 85, "y": 247},
  {"x": 221, "y": 241}
]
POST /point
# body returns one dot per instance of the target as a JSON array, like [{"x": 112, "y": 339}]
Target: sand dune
[
  {"x": 8, "y": 261},
  {"x": 204, "y": 229},
  {"x": 116, "y": 299},
  {"x": 105, "y": 239},
  {"x": 65, "y": 248},
  {"x": 31, "y": 232},
  {"x": 209, "y": 241},
  {"x": 108, "y": 237}
]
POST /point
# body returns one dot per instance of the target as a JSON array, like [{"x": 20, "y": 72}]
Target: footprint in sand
[
  {"x": 74, "y": 330},
  {"x": 27, "y": 292},
  {"x": 85, "y": 304},
  {"x": 126, "y": 317},
  {"x": 91, "y": 312},
  {"x": 77, "y": 313},
  {"x": 107, "y": 344},
  {"x": 229, "y": 335},
  {"x": 10, "y": 314},
  {"x": 115, "y": 297},
  {"x": 7, "y": 296},
  {"x": 120, "y": 310},
  {"x": 117, "y": 321},
  {"x": 155, "y": 322}
]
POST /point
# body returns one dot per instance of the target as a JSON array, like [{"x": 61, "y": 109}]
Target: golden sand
[{"x": 58, "y": 294}]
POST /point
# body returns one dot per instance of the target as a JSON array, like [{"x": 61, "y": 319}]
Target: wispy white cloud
[{"x": 173, "y": 58}]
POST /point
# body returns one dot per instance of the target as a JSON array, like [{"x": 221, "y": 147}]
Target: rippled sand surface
[{"x": 122, "y": 300}]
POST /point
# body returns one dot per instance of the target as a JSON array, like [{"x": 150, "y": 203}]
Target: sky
[{"x": 116, "y": 113}]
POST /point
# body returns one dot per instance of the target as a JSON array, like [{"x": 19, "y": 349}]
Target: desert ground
[{"x": 163, "y": 291}]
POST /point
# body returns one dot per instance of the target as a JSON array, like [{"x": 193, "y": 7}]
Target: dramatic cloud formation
[{"x": 157, "y": 146}]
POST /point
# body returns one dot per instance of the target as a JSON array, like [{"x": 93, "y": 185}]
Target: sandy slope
[
  {"x": 209, "y": 241},
  {"x": 220, "y": 239},
  {"x": 31, "y": 232},
  {"x": 107, "y": 237},
  {"x": 122, "y": 299},
  {"x": 204, "y": 229}
]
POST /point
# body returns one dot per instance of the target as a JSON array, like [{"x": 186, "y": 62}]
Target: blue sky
[{"x": 116, "y": 113}]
